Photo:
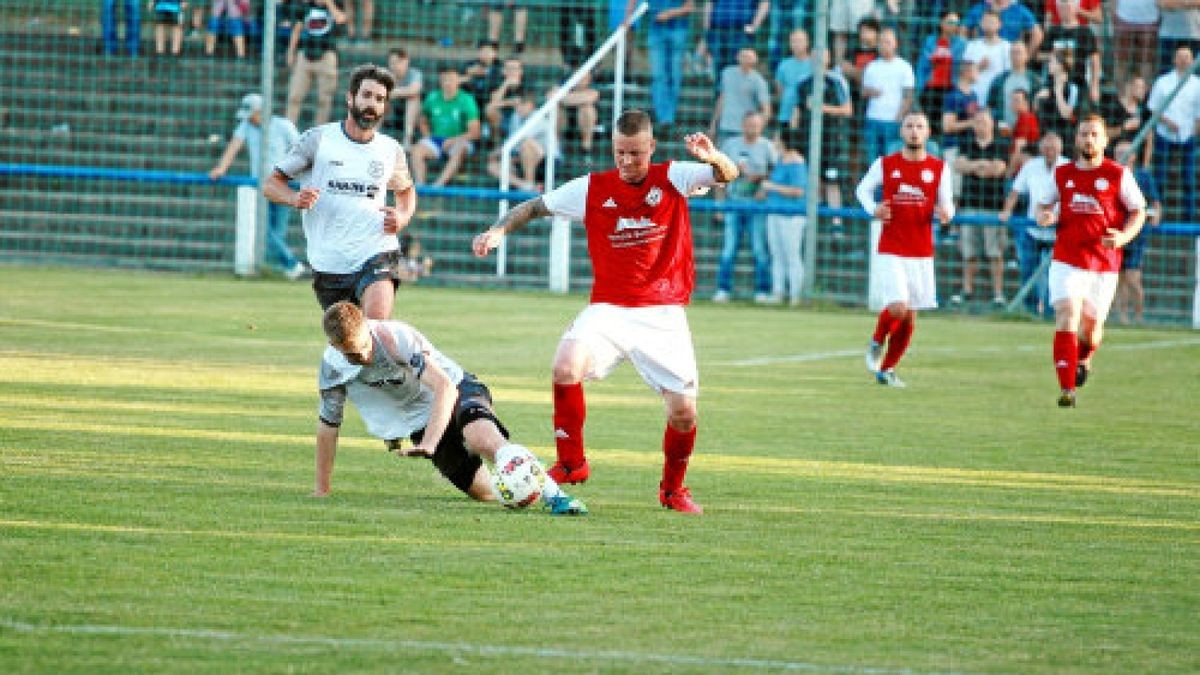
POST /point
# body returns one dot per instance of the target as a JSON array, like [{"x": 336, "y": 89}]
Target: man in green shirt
[{"x": 449, "y": 127}]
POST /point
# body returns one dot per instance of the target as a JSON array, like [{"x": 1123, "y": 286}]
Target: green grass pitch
[{"x": 156, "y": 463}]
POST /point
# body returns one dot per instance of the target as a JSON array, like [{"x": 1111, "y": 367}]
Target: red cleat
[
  {"x": 564, "y": 475},
  {"x": 679, "y": 500}
]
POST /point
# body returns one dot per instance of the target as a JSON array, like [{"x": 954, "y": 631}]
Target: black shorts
[
  {"x": 331, "y": 288},
  {"x": 452, "y": 458},
  {"x": 168, "y": 18}
]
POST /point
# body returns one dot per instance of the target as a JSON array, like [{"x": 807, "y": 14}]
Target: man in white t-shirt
[
  {"x": 990, "y": 52},
  {"x": 1035, "y": 180},
  {"x": 346, "y": 170},
  {"x": 887, "y": 84}
]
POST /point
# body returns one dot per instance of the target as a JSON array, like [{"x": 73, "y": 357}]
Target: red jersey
[
  {"x": 942, "y": 66},
  {"x": 640, "y": 240},
  {"x": 911, "y": 188},
  {"x": 1089, "y": 203},
  {"x": 1052, "y": 11}
]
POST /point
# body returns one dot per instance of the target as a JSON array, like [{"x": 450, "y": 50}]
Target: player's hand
[
  {"x": 1045, "y": 216},
  {"x": 416, "y": 451},
  {"x": 1113, "y": 238},
  {"x": 700, "y": 146},
  {"x": 883, "y": 211},
  {"x": 941, "y": 214},
  {"x": 306, "y": 198},
  {"x": 487, "y": 240},
  {"x": 392, "y": 222}
]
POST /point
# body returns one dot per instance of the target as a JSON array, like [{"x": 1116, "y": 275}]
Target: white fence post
[{"x": 243, "y": 250}]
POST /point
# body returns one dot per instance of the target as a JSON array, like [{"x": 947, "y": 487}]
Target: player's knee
[
  {"x": 566, "y": 371},
  {"x": 681, "y": 415}
]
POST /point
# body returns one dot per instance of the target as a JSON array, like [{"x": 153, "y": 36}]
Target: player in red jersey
[
  {"x": 916, "y": 188},
  {"x": 640, "y": 241},
  {"x": 1100, "y": 210}
]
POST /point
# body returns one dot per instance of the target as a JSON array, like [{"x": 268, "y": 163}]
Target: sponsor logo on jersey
[
  {"x": 654, "y": 196},
  {"x": 1085, "y": 204},
  {"x": 642, "y": 223},
  {"x": 926, "y": 176},
  {"x": 352, "y": 188},
  {"x": 610, "y": 203},
  {"x": 1101, "y": 185},
  {"x": 909, "y": 193}
]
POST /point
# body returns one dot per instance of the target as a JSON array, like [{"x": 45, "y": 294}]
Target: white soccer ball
[{"x": 518, "y": 478}]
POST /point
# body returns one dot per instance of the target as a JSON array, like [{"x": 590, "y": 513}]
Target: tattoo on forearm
[{"x": 522, "y": 213}]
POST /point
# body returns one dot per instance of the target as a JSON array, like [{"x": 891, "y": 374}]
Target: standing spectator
[
  {"x": 1089, "y": 12},
  {"x": 132, "y": 11},
  {"x": 785, "y": 231},
  {"x": 364, "y": 13},
  {"x": 983, "y": 163},
  {"x": 1018, "y": 76},
  {"x": 1179, "y": 26},
  {"x": 959, "y": 108},
  {"x": 915, "y": 191},
  {"x": 312, "y": 55},
  {"x": 228, "y": 18},
  {"x": 1035, "y": 180},
  {"x": 1101, "y": 210},
  {"x": 348, "y": 168},
  {"x": 990, "y": 53},
  {"x": 742, "y": 90},
  {"x": 406, "y": 97},
  {"x": 863, "y": 50},
  {"x": 1077, "y": 44},
  {"x": 887, "y": 84},
  {"x": 937, "y": 67},
  {"x": 754, "y": 156},
  {"x": 1126, "y": 112},
  {"x": 785, "y": 18},
  {"x": 1135, "y": 33},
  {"x": 1055, "y": 103},
  {"x": 520, "y": 19},
  {"x": 790, "y": 73},
  {"x": 282, "y": 136},
  {"x": 1130, "y": 300},
  {"x": 503, "y": 100},
  {"x": 838, "y": 111},
  {"x": 847, "y": 16},
  {"x": 730, "y": 26},
  {"x": 582, "y": 100},
  {"x": 168, "y": 19},
  {"x": 667, "y": 43},
  {"x": 483, "y": 75},
  {"x": 449, "y": 128},
  {"x": 1016, "y": 21},
  {"x": 1025, "y": 133},
  {"x": 640, "y": 244},
  {"x": 530, "y": 152},
  {"x": 1175, "y": 135}
]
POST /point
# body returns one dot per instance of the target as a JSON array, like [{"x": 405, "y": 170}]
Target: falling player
[{"x": 916, "y": 188}]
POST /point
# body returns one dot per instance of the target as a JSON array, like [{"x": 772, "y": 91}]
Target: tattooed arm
[{"x": 513, "y": 220}]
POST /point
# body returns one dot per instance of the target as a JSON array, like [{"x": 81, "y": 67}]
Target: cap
[{"x": 250, "y": 104}]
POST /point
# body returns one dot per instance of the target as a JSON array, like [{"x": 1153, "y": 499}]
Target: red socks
[
  {"x": 1086, "y": 349},
  {"x": 884, "y": 327},
  {"x": 897, "y": 343},
  {"x": 677, "y": 449},
  {"x": 569, "y": 413},
  {"x": 1066, "y": 357}
]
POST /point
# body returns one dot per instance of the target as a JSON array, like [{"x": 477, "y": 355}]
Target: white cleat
[
  {"x": 874, "y": 356},
  {"x": 888, "y": 379}
]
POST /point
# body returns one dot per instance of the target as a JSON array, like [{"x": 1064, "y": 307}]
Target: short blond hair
[{"x": 342, "y": 320}]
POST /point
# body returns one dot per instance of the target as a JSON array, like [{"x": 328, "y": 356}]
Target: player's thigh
[
  {"x": 662, "y": 350},
  {"x": 1097, "y": 301},
  {"x": 921, "y": 280},
  {"x": 592, "y": 344},
  {"x": 889, "y": 281}
]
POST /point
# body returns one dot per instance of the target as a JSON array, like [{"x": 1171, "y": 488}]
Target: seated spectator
[
  {"x": 503, "y": 100},
  {"x": 937, "y": 67},
  {"x": 785, "y": 231},
  {"x": 1126, "y": 112},
  {"x": 582, "y": 100},
  {"x": 168, "y": 18},
  {"x": 982, "y": 162},
  {"x": 1035, "y": 243},
  {"x": 742, "y": 90},
  {"x": 1017, "y": 22},
  {"x": 1024, "y": 134},
  {"x": 1130, "y": 299},
  {"x": 1076, "y": 44},
  {"x": 754, "y": 155},
  {"x": 133, "y": 26},
  {"x": 449, "y": 128},
  {"x": 1055, "y": 103},
  {"x": 791, "y": 72},
  {"x": 366, "y": 13},
  {"x": 414, "y": 263},
  {"x": 312, "y": 55},
  {"x": 406, "y": 96},
  {"x": 495, "y": 19},
  {"x": 838, "y": 109},
  {"x": 482, "y": 75},
  {"x": 863, "y": 50},
  {"x": 228, "y": 18},
  {"x": 530, "y": 153},
  {"x": 1018, "y": 76}
]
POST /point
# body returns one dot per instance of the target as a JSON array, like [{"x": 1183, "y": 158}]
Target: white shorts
[
  {"x": 1096, "y": 289},
  {"x": 844, "y": 15},
  {"x": 898, "y": 279},
  {"x": 657, "y": 340}
]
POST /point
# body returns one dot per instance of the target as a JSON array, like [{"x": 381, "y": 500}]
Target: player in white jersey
[
  {"x": 404, "y": 387},
  {"x": 346, "y": 169}
]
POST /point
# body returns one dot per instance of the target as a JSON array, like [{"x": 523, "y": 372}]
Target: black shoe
[
  {"x": 1081, "y": 375},
  {"x": 1067, "y": 399}
]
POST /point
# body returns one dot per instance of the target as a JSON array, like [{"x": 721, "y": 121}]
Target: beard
[
  {"x": 1090, "y": 154},
  {"x": 913, "y": 145},
  {"x": 365, "y": 118}
]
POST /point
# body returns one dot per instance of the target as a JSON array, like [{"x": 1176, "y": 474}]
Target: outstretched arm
[
  {"x": 513, "y": 220},
  {"x": 701, "y": 147}
]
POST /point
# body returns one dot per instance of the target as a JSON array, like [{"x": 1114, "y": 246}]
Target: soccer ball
[{"x": 518, "y": 478}]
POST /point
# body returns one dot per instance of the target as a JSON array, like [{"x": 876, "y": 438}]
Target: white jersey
[
  {"x": 345, "y": 227},
  {"x": 388, "y": 393}
]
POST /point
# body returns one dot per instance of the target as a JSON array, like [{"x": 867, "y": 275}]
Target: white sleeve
[
  {"x": 688, "y": 176},
  {"x": 568, "y": 200},
  {"x": 1131, "y": 194},
  {"x": 866, "y": 187},
  {"x": 1051, "y": 195},
  {"x": 1021, "y": 182},
  {"x": 945, "y": 194},
  {"x": 301, "y": 155}
]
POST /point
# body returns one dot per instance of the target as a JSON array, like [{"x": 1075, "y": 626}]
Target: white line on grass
[
  {"x": 449, "y": 647},
  {"x": 857, "y": 353}
]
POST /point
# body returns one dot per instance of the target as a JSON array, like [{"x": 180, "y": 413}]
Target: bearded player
[
  {"x": 916, "y": 188},
  {"x": 640, "y": 243},
  {"x": 1100, "y": 210}
]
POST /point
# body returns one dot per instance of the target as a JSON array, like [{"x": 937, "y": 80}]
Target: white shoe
[
  {"x": 874, "y": 356},
  {"x": 888, "y": 379},
  {"x": 721, "y": 297},
  {"x": 297, "y": 272}
]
